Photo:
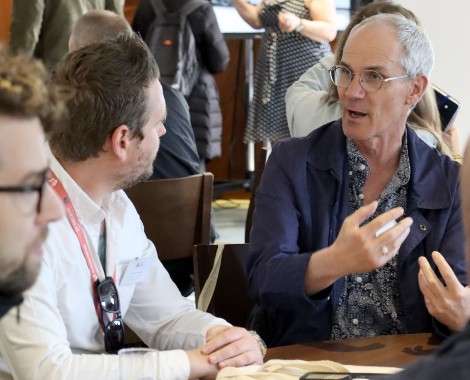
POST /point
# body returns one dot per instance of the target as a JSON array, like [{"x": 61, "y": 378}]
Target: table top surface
[{"x": 389, "y": 351}]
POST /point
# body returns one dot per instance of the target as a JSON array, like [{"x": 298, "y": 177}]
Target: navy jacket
[{"x": 301, "y": 204}]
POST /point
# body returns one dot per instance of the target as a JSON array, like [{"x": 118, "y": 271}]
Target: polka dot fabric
[{"x": 282, "y": 59}]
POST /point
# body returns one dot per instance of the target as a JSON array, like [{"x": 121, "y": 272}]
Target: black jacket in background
[
  {"x": 177, "y": 156},
  {"x": 213, "y": 55}
]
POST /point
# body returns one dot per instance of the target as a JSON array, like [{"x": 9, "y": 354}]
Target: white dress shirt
[{"x": 59, "y": 337}]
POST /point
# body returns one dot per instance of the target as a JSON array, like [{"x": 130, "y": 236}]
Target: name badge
[{"x": 138, "y": 270}]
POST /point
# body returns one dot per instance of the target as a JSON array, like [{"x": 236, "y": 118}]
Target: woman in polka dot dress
[{"x": 296, "y": 37}]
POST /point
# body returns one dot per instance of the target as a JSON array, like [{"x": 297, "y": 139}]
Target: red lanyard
[{"x": 77, "y": 228}]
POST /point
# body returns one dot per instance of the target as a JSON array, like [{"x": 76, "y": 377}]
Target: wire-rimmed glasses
[{"x": 370, "y": 80}]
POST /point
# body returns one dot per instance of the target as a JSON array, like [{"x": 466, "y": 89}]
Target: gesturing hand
[
  {"x": 449, "y": 303},
  {"x": 359, "y": 247}
]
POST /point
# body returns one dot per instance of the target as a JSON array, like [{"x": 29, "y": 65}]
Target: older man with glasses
[
  {"x": 27, "y": 205},
  {"x": 343, "y": 215}
]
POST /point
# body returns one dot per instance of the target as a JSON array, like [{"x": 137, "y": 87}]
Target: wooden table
[{"x": 389, "y": 351}]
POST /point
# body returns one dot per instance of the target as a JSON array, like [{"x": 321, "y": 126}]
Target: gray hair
[{"x": 418, "y": 54}]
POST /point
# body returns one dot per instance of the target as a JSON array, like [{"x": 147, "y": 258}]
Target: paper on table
[
  {"x": 372, "y": 369},
  {"x": 293, "y": 369}
]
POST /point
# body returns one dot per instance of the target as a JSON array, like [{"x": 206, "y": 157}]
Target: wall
[
  {"x": 448, "y": 27},
  {"x": 5, "y": 11}
]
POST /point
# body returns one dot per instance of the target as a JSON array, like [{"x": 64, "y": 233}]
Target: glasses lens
[
  {"x": 108, "y": 295},
  {"x": 114, "y": 336},
  {"x": 341, "y": 76},
  {"x": 371, "y": 80}
]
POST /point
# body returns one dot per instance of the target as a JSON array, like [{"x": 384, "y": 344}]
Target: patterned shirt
[{"x": 369, "y": 304}]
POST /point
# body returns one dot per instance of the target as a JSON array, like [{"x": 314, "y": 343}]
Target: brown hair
[
  {"x": 24, "y": 92},
  {"x": 105, "y": 86}
]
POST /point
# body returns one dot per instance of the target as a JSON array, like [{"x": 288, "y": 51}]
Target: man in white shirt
[
  {"x": 27, "y": 205},
  {"x": 116, "y": 113}
]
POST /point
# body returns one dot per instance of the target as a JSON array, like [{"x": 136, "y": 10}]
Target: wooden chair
[
  {"x": 257, "y": 179},
  {"x": 231, "y": 299},
  {"x": 176, "y": 214}
]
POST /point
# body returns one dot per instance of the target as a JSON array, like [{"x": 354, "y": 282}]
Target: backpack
[{"x": 171, "y": 41}]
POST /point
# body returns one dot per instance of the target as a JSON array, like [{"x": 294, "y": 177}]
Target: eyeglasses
[
  {"x": 25, "y": 200},
  {"x": 109, "y": 302},
  {"x": 370, "y": 80}
]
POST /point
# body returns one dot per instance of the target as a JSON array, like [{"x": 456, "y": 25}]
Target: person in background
[
  {"x": 99, "y": 269},
  {"x": 42, "y": 27},
  {"x": 312, "y": 100},
  {"x": 451, "y": 359},
  {"x": 213, "y": 57},
  {"x": 296, "y": 36},
  {"x": 27, "y": 109},
  {"x": 323, "y": 262}
]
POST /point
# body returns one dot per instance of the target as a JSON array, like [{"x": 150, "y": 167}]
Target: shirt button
[
  {"x": 422, "y": 227},
  {"x": 350, "y": 172},
  {"x": 355, "y": 321},
  {"x": 361, "y": 196},
  {"x": 359, "y": 279},
  {"x": 362, "y": 167}
]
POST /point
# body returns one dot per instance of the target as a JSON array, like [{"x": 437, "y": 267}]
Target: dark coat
[
  {"x": 213, "y": 55},
  {"x": 177, "y": 156},
  {"x": 301, "y": 204}
]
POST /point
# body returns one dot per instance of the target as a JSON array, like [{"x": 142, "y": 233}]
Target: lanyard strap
[{"x": 77, "y": 228}]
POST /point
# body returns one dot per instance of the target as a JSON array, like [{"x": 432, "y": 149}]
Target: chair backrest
[
  {"x": 175, "y": 212},
  {"x": 231, "y": 299},
  {"x": 257, "y": 179}
]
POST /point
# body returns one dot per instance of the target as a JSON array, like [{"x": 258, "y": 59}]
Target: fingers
[
  {"x": 214, "y": 331},
  {"x": 359, "y": 216},
  {"x": 232, "y": 346},
  {"x": 446, "y": 271}
]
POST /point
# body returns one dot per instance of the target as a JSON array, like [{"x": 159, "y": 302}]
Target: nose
[
  {"x": 161, "y": 130},
  {"x": 355, "y": 89},
  {"x": 51, "y": 208}
]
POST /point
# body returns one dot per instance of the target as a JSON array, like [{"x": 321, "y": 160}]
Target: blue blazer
[{"x": 301, "y": 203}]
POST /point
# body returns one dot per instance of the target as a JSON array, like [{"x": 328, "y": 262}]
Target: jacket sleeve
[
  {"x": 305, "y": 107},
  {"x": 26, "y": 22},
  {"x": 116, "y": 6},
  {"x": 209, "y": 39},
  {"x": 275, "y": 264}
]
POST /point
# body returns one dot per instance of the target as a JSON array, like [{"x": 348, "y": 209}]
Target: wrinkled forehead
[{"x": 372, "y": 46}]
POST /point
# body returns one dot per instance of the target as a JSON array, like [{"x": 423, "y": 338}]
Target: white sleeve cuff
[{"x": 173, "y": 365}]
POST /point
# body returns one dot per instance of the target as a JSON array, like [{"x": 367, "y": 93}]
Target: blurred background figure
[
  {"x": 297, "y": 35},
  {"x": 213, "y": 57},
  {"x": 42, "y": 27},
  {"x": 27, "y": 204}
]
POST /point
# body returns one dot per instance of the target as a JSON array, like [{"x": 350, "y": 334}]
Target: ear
[
  {"x": 119, "y": 142},
  {"x": 417, "y": 88}
]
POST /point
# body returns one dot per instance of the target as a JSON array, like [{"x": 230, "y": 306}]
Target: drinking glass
[{"x": 138, "y": 364}]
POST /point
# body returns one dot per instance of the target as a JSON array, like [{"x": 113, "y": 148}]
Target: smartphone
[
  {"x": 448, "y": 107},
  {"x": 341, "y": 376}
]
